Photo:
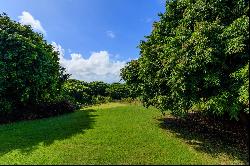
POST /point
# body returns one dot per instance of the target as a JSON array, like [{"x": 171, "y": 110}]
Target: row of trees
[
  {"x": 83, "y": 93},
  {"x": 196, "y": 58},
  {"x": 32, "y": 82}
]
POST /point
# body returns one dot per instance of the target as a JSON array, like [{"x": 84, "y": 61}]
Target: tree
[
  {"x": 118, "y": 91},
  {"x": 197, "y": 57},
  {"x": 131, "y": 75},
  {"x": 30, "y": 73},
  {"x": 77, "y": 92},
  {"x": 98, "y": 88}
]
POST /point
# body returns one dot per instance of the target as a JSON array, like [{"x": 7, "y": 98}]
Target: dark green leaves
[
  {"x": 29, "y": 67},
  {"x": 197, "y": 53}
]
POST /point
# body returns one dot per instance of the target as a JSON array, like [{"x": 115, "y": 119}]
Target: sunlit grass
[{"x": 111, "y": 133}]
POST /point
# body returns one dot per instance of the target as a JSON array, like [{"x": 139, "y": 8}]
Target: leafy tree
[
  {"x": 117, "y": 91},
  {"x": 83, "y": 93},
  {"x": 197, "y": 56},
  {"x": 77, "y": 92},
  {"x": 131, "y": 75},
  {"x": 30, "y": 73},
  {"x": 98, "y": 88}
]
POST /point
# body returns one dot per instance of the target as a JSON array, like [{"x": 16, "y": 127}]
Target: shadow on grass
[
  {"x": 209, "y": 139},
  {"x": 26, "y": 136}
]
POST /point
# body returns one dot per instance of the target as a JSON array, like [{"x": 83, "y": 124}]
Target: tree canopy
[
  {"x": 30, "y": 73},
  {"x": 197, "y": 57}
]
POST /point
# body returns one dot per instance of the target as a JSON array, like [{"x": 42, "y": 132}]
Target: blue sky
[{"x": 95, "y": 37}]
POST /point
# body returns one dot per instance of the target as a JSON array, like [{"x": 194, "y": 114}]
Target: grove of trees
[
  {"x": 83, "y": 93},
  {"x": 196, "y": 58},
  {"x": 32, "y": 82}
]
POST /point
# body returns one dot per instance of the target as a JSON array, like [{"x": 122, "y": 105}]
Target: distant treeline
[{"x": 83, "y": 93}]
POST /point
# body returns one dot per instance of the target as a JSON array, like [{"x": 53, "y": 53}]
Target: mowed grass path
[{"x": 111, "y": 133}]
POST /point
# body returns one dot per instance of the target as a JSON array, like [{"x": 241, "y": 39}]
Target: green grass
[{"x": 111, "y": 133}]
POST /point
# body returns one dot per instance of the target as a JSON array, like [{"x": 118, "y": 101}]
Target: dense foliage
[
  {"x": 77, "y": 92},
  {"x": 131, "y": 75},
  {"x": 32, "y": 82},
  {"x": 197, "y": 57},
  {"x": 83, "y": 93},
  {"x": 30, "y": 73},
  {"x": 118, "y": 91},
  {"x": 98, "y": 88}
]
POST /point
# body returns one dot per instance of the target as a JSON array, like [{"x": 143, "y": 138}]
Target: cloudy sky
[{"x": 94, "y": 37}]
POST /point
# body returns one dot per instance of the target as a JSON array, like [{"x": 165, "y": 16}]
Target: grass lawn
[{"x": 111, "y": 133}]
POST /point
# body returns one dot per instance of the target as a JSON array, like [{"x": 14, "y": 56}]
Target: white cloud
[
  {"x": 98, "y": 67},
  {"x": 110, "y": 34},
  {"x": 58, "y": 48},
  {"x": 27, "y": 19}
]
